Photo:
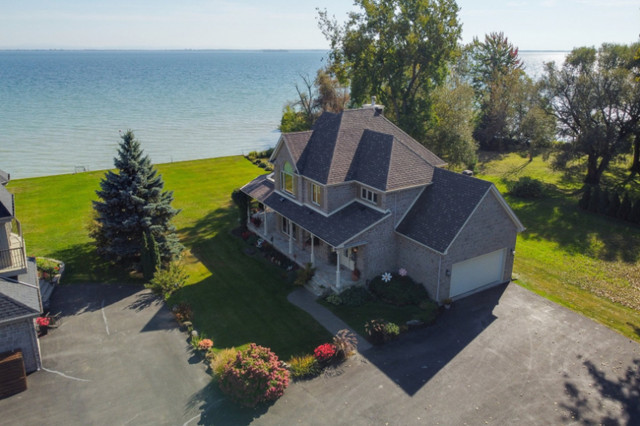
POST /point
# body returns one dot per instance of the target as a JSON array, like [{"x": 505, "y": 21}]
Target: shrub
[
  {"x": 220, "y": 360},
  {"x": 254, "y": 376},
  {"x": 345, "y": 343},
  {"x": 304, "y": 275},
  {"x": 526, "y": 187},
  {"x": 183, "y": 312},
  {"x": 375, "y": 329},
  {"x": 400, "y": 291},
  {"x": 205, "y": 344},
  {"x": 380, "y": 331},
  {"x": 334, "y": 299},
  {"x": 166, "y": 281},
  {"x": 355, "y": 296},
  {"x": 304, "y": 366},
  {"x": 325, "y": 352},
  {"x": 241, "y": 201}
]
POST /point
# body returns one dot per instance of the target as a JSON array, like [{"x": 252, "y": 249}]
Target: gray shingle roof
[
  {"x": 18, "y": 299},
  {"x": 334, "y": 229},
  {"x": 296, "y": 142},
  {"x": 363, "y": 144},
  {"x": 11, "y": 309},
  {"x": 4, "y": 177},
  {"x": 6, "y": 203},
  {"x": 443, "y": 208}
]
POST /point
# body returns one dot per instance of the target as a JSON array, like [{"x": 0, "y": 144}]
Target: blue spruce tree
[{"x": 133, "y": 203}]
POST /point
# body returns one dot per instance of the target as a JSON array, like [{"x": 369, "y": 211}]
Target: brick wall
[
  {"x": 22, "y": 335},
  {"x": 421, "y": 264},
  {"x": 339, "y": 195},
  {"x": 378, "y": 255},
  {"x": 398, "y": 202}
]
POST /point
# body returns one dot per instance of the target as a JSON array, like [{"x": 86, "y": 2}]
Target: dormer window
[
  {"x": 286, "y": 178},
  {"x": 370, "y": 196}
]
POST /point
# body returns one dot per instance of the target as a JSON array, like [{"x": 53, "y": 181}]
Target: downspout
[{"x": 438, "y": 287}]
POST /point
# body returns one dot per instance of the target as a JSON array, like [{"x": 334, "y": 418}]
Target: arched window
[{"x": 286, "y": 178}]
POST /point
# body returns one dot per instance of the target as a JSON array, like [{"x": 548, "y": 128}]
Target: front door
[{"x": 346, "y": 257}]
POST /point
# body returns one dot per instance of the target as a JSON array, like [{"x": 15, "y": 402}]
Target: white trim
[
  {"x": 287, "y": 196},
  {"x": 438, "y": 286},
  {"x": 369, "y": 195},
  {"x": 276, "y": 150},
  {"x": 314, "y": 186},
  {"x": 411, "y": 206},
  {"x": 20, "y": 318}
]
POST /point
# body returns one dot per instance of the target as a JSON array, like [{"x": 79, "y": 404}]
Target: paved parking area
[
  {"x": 505, "y": 356},
  {"x": 117, "y": 359}
]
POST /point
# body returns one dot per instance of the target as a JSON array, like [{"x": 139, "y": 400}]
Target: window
[
  {"x": 288, "y": 227},
  {"x": 369, "y": 196},
  {"x": 316, "y": 194},
  {"x": 286, "y": 178}
]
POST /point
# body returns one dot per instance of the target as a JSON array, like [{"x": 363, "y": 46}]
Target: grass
[
  {"x": 586, "y": 262},
  {"x": 236, "y": 299}
]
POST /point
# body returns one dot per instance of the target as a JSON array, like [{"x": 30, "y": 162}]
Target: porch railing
[{"x": 12, "y": 259}]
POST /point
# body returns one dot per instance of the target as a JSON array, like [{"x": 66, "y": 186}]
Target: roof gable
[
  {"x": 443, "y": 208},
  {"x": 6, "y": 203},
  {"x": 363, "y": 145}
]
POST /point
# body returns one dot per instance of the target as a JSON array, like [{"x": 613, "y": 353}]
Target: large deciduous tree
[
  {"x": 133, "y": 207},
  {"x": 396, "y": 50},
  {"x": 596, "y": 100}
]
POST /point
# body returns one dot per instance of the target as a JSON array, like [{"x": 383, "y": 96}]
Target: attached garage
[{"x": 477, "y": 272}]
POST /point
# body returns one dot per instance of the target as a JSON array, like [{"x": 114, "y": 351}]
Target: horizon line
[{"x": 203, "y": 50}]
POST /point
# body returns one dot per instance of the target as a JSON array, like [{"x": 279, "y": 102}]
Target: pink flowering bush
[
  {"x": 255, "y": 376},
  {"x": 325, "y": 352}
]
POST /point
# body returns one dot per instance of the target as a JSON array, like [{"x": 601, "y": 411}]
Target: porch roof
[{"x": 335, "y": 229}]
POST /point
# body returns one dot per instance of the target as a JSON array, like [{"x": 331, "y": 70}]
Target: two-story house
[
  {"x": 356, "y": 193},
  {"x": 20, "y": 300}
]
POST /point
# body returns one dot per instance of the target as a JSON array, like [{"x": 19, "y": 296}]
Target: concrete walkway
[{"x": 306, "y": 300}]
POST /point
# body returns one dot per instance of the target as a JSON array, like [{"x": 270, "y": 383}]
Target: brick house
[
  {"x": 20, "y": 300},
  {"x": 357, "y": 197}
]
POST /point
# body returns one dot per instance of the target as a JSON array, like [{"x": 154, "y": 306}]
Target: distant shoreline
[{"x": 221, "y": 50}]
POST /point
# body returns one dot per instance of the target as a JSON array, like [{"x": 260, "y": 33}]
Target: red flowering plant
[
  {"x": 43, "y": 321},
  {"x": 254, "y": 376},
  {"x": 325, "y": 352},
  {"x": 205, "y": 344}
]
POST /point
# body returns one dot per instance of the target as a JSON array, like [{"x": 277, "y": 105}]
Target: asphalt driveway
[
  {"x": 505, "y": 356},
  {"x": 117, "y": 359}
]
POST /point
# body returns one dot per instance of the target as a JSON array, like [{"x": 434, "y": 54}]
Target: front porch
[
  {"x": 330, "y": 274},
  {"x": 13, "y": 256}
]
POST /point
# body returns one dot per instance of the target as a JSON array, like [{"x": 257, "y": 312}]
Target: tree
[
  {"x": 396, "y": 50},
  {"x": 241, "y": 201},
  {"x": 625, "y": 208},
  {"x": 133, "y": 203},
  {"x": 150, "y": 256},
  {"x": 450, "y": 135},
  {"x": 502, "y": 91},
  {"x": 596, "y": 102},
  {"x": 325, "y": 93}
]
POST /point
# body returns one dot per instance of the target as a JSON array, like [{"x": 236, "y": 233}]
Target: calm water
[{"x": 62, "y": 109}]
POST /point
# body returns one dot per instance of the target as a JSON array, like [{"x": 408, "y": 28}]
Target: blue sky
[{"x": 278, "y": 24}]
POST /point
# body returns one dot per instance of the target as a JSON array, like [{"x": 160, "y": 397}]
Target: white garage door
[{"x": 477, "y": 272}]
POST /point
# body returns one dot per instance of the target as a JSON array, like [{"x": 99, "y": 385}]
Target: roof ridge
[
  {"x": 412, "y": 139},
  {"x": 413, "y": 152}
]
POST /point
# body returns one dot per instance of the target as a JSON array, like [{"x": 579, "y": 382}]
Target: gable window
[
  {"x": 316, "y": 194},
  {"x": 286, "y": 178},
  {"x": 369, "y": 196}
]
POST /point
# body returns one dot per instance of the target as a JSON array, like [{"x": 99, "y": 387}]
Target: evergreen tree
[
  {"x": 614, "y": 205},
  {"x": 150, "y": 255},
  {"x": 625, "y": 208},
  {"x": 133, "y": 203},
  {"x": 586, "y": 196}
]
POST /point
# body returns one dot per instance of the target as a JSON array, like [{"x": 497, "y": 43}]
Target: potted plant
[
  {"x": 355, "y": 274},
  {"x": 447, "y": 302}
]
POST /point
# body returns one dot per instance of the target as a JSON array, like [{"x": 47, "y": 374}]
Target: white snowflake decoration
[
  {"x": 259, "y": 243},
  {"x": 402, "y": 272},
  {"x": 386, "y": 277}
]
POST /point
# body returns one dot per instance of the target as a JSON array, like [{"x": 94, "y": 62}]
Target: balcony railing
[{"x": 12, "y": 259}]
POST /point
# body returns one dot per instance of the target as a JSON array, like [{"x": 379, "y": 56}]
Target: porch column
[
  {"x": 248, "y": 215},
  {"x": 313, "y": 258},
  {"x": 264, "y": 220},
  {"x": 337, "y": 269},
  {"x": 290, "y": 239}
]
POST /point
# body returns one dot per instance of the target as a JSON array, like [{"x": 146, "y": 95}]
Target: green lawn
[
  {"x": 587, "y": 262},
  {"x": 236, "y": 299}
]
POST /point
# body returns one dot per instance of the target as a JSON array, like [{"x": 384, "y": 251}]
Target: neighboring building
[
  {"x": 357, "y": 193},
  {"x": 20, "y": 301}
]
